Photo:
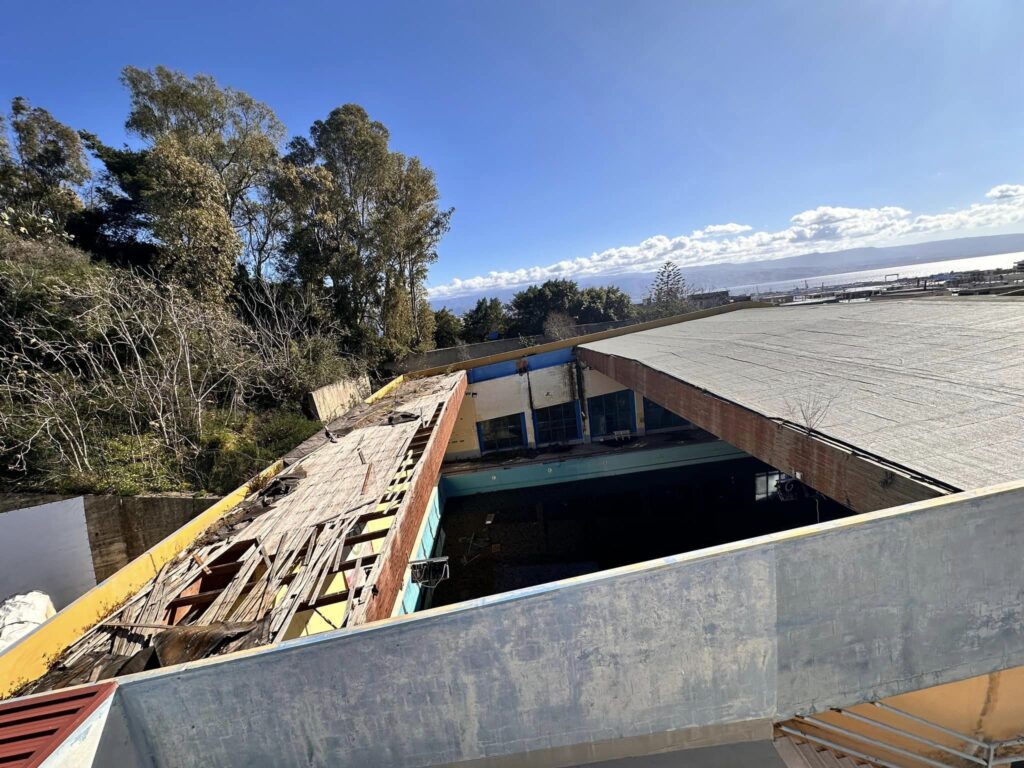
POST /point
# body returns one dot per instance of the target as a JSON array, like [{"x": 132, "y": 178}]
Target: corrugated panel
[{"x": 31, "y": 729}]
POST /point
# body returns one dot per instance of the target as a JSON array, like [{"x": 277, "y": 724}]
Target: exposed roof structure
[
  {"x": 302, "y": 555},
  {"x": 933, "y": 385}
]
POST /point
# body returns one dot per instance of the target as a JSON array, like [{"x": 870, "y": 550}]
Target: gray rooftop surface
[{"x": 933, "y": 385}]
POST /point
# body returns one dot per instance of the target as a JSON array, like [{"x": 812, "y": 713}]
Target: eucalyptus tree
[
  {"x": 235, "y": 137},
  {"x": 40, "y": 170},
  {"x": 365, "y": 227}
]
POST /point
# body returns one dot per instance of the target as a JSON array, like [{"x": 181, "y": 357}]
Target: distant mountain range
[{"x": 794, "y": 268}]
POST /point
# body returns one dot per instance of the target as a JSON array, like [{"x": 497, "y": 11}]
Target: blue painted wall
[
  {"x": 510, "y": 367},
  {"x": 586, "y": 467},
  {"x": 411, "y": 591}
]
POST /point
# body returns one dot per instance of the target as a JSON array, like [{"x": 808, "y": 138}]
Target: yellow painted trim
[
  {"x": 551, "y": 346},
  {"x": 31, "y": 657},
  {"x": 387, "y": 389}
]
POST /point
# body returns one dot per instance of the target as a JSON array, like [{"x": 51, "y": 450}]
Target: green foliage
[
  {"x": 199, "y": 245},
  {"x": 365, "y": 227},
  {"x": 487, "y": 317},
  {"x": 126, "y": 465},
  {"x": 217, "y": 283},
  {"x": 669, "y": 294},
  {"x": 115, "y": 227},
  {"x": 448, "y": 328},
  {"x": 532, "y": 307},
  {"x": 39, "y": 171},
  {"x": 237, "y": 447},
  {"x": 600, "y": 305},
  {"x": 231, "y": 133}
]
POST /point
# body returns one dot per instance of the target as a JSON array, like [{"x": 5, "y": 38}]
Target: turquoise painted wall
[
  {"x": 586, "y": 467},
  {"x": 411, "y": 592}
]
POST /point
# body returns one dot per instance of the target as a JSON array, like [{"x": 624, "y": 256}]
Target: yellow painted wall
[
  {"x": 464, "y": 441},
  {"x": 596, "y": 383}
]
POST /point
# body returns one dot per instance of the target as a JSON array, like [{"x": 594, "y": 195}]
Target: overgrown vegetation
[{"x": 165, "y": 307}]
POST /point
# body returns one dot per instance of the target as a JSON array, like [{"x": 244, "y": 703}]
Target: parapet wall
[{"x": 703, "y": 649}]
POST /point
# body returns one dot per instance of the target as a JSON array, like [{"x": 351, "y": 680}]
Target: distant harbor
[{"x": 932, "y": 269}]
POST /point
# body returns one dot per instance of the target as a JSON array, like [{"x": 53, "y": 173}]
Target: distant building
[{"x": 710, "y": 299}]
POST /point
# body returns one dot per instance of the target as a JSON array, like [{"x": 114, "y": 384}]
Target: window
[
  {"x": 611, "y": 413},
  {"x": 656, "y": 417},
  {"x": 558, "y": 423},
  {"x": 766, "y": 483},
  {"x": 501, "y": 433}
]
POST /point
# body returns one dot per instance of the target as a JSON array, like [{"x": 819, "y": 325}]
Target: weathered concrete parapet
[
  {"x": 701, "y": 652},
  {"x": 332, "y": 401}
]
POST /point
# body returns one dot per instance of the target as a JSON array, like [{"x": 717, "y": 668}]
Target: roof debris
[{"x": 305, "y": 549}]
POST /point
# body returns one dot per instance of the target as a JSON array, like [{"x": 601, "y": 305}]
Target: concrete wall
[
  {"x": 698, "y": 650},
  {"x": 568, "y": 469},
  {"x": 330, "y": 402},
  {"x": 123, "y": 527},
  {"x": 66, "y": 547}
]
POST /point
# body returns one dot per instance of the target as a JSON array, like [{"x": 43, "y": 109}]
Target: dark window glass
[
  {"x": 611, "y": 413},
  {"x": 656, "y": 417},
  {"x": 502, "y": 433},
  {"x": 557, "y": 424},
  {"x": 766, "y": 484}
]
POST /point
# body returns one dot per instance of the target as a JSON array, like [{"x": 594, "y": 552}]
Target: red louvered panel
[{"x": 31, "y": 729}]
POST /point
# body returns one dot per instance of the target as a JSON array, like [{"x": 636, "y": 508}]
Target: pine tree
[{"x": 668, "y": 294}]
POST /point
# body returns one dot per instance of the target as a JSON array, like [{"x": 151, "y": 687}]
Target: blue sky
[{"x": 579, "y": 138}]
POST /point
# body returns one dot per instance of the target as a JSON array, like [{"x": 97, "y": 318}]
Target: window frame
[
  {"x": 769, "y": 489},
  {"x": 523, "y": 438},
  {"x": 631, "y": 413},
  {"x": 686, "y": 423},
  {"x": 568, "y": 441}
]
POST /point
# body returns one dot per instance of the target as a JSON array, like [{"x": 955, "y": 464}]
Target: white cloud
[
  {"x": 825, "y": 228},
  {"x": 723, "y": 229}
]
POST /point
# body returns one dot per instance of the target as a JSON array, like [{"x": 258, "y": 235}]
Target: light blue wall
[
  {"x": 411, "y": 591},
  {"x": 586, "y": 467}
]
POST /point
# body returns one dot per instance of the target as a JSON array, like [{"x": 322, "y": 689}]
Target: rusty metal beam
[{"x": 855, "y": 479}]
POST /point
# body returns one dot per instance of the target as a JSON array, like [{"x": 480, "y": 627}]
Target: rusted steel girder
[{"x": 856, "y": 480}]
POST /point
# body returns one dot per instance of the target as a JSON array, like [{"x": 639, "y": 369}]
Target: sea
[{"x": 936, "y": 269}]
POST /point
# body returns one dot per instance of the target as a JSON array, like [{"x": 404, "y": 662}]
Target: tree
[
  {"x": 559, "y": 325},
  {"x": 448, "y": 328},
  {"x": 227, "y": 131},
  {"x": 607, "y": 304},
  {"x": 412, "y": 226},
  {"x": 199, "y": 246},
  {"x": 486, "y": 318},
  {"x": 531, "y": 306},
  {"x": 40, "y": 171},
  {"x": 115, "y": 226},
  {"x": 365, "y": 227},
  {"x": 669, "y": 294}
]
